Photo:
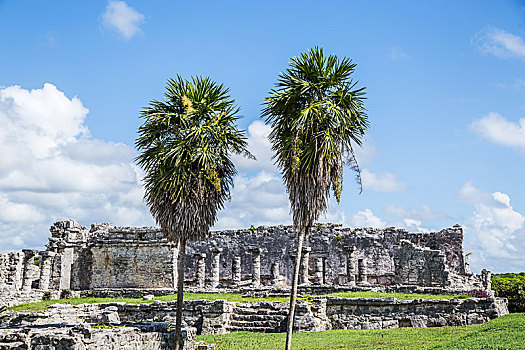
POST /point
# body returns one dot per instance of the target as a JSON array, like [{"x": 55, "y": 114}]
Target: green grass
[
  {"x": 507, "y": 332},
  {"x": 42, "y": 305}
]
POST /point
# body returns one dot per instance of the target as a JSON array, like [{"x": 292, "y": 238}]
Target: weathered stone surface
[
  {"x": 419, "y": 266},
  {"x": 153, "y": 336},
  {"x": 314, "y": 314},
  {"x": 108, "y": 257}
]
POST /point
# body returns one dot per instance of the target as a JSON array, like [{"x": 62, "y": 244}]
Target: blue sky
[{"x": 445, "y": 86}]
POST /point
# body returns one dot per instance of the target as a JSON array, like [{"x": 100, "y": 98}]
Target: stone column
[
  {"x": 15, "y": 272},
  {"x": 351, "y": 268},
  {"x": 30, "y": 270},
  {"x": 215, "y": 266},
  {"x": 256, "y": 267},
  {"x": 361, "y": 271},
  {"x": 45, "y": 269},
  {"x": 319, "y": 270},
  {"x": 303, "y": 269},
  {"x": 486, "y": 279},
  {"x": 200, "y": 269},
  {"x": 236, "y": 270},
  {"x": 276, "y": 276},
  {"x": 4, "y": 263},
  {"x": 467, "y": 268}
]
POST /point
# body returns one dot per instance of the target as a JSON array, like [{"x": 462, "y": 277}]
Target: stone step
[
  {"x": 254, "y": 330},
  {"x": 254, "y": 324},
  {"x": 255, "y": 311},
  {"x": 257, "y": 317},
  {"x": 263, "y": 305}
]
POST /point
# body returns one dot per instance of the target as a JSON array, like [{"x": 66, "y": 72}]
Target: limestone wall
[
  {"x": 392, "y": 313},
  {"x": 314, "y": 314},
  {"x": 153, "y": 336},
  {"x": 11, "y": 270},
  {"x": 415, "y": 265},
  {"x": 108, "y": 257},
  {"x": 335, "y": 255}
]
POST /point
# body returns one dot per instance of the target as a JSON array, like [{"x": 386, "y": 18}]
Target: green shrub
[{"x": 512, "y": 287}]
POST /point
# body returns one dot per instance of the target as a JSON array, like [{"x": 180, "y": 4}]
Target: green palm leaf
[{"x": 317, "y": 115}]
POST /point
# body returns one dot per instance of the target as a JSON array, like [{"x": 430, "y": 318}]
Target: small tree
[
  {"x": 186, "y": 142},
  {"x": 316, "y": 114}
]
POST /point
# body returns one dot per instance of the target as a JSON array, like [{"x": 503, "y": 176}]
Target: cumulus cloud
[
  {"x": 256, "y": 200},
  {"x": 385, "y": 182},
  {"x": 412, "y": 225},
  {"x": 259, "y": 146},
  {"x": 52, "y": 169},
  {"x": 497, "y": 42},
  {"x": 494, "y": 127},
  {"x": 495, "y": 233},
  {"x": 122, "y": 18},
  {"x": 366, "y": 218},
  {"x": 416, "y": 214}
]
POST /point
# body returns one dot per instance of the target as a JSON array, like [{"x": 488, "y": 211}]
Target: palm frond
[
  {"x": 185, "y": 145},
  {"x": 317, "y": 114}
]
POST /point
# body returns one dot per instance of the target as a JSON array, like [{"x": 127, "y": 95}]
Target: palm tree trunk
[
  {"x": 180, "y": 292},
  {"x": 293, "y": 295}
]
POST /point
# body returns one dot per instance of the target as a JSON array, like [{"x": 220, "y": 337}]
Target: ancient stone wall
[
  {"x": 152, "y": 336},
  {"x": 334, "y": 256},
  {"x": 449, "y": 241},
  {"x": 107, "y": 257},
  {"x": 392, "y": 313},
  {"x": 415, "y": 265},
  {"x": 314, "y": 314},
  {"x": 130, "y": 257}
]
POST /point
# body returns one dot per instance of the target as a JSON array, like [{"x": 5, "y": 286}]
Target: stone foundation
[
  {"x": 313, "y": 314},
  {"x": 153, "y": 336}
]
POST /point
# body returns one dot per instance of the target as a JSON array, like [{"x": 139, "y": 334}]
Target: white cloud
[
  {"x": 397, "y": 53},
  {"x": 423, "y": 213},
  {"x": 495, "y": 233},
  {"x": 18, "y": 212},
  {"x": 497, "y": 42},
  {"x": 52, "y": 169},
  {"x": 497, "y": 129},
  {"x": 366, "y": 218},
  {"x": 122, "y": 18},
  {"x": 259, "y": 146},
  {"x": 256, "y": 200},
  {"x": 385, "y": 182}
]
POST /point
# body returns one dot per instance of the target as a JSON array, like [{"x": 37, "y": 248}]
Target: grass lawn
[
  {"x": 41, "y": 306},
  {"x": 507, "y": 332}
]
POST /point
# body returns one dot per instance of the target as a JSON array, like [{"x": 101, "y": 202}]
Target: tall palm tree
[
  {"x": 317, "y": 114},
  {"x": 186, "y": 142}
]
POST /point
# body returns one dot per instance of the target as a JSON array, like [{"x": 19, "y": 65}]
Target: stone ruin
[
  {"x": 111, "y": 261},
  {"x": 111, "y": 257}
]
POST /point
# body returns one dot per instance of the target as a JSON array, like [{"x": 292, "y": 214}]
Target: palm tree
[
  {"x": 186, "y": 142},
  {"x": 317, "y": 114}
]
